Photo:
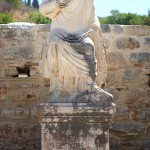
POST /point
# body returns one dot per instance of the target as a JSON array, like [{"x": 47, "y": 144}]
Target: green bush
[
  {"x": 6, "y": 18},
  {"x": 125, "y": 18},
  {"x": 36, "y": 17}
]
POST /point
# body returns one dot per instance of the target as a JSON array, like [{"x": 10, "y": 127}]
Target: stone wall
[{"x": 22, "y": 88}]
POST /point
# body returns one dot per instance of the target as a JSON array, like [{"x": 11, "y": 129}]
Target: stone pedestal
[{"x": 67, "y": 126}]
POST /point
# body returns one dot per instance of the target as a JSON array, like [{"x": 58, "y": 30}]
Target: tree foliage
[
  {"x": 17, "y": 4},
  {"x": 29, "y": 2},
  {"x": 35, "y": 4},
  {"x": 6, "y": 18},
  {"x": 36, "y": 17},
  {"x": 126, "y": 18}
]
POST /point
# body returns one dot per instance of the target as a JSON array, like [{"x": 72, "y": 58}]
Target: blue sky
[{"x": 103, "y": 7}]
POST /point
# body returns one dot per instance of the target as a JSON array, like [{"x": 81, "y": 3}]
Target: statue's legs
[{"x": 77, "y": 68}]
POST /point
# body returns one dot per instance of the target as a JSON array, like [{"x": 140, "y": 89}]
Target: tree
[
  {"x": 4, "y": 6},
  {"x": 147, "y": 22},
  {"x": 124, "y": 18},
  {"x": 35, "y": 4},
  {"x": 29, "y": 2},
  {"x": 17, "y": 4}
]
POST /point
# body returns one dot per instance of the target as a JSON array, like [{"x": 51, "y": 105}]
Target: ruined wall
[{"x": 22, "y": 88}]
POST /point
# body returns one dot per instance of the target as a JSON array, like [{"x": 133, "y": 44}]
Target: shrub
[
  {"x": 36, "y": 17},
  {"x": 6, "y": 18}
]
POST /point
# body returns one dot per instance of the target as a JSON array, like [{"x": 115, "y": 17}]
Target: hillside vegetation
[{"x": 18, "y": 11}]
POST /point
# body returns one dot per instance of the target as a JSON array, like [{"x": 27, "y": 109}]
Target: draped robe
[{"x": 74, "y": 41}]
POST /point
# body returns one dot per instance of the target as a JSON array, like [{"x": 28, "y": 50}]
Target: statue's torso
[{"x": 75, "y": 18}]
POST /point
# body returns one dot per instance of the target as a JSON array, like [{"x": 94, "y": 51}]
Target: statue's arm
[
  {"x": 47, "y": 8},
  {"x": 51, "y": 8}
]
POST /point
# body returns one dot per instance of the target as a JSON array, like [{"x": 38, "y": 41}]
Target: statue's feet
[{"x": 95, "y": 96}]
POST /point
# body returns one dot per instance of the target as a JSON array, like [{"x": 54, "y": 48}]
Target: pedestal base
[{"x": 66, "y": 126}]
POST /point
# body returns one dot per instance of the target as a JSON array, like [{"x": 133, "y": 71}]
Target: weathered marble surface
[
  {"x": 67, "y": 126},
  {"x": 75, "y": 46}
]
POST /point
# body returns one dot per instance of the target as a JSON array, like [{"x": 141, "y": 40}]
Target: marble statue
[{"x": 75, "y": 59}]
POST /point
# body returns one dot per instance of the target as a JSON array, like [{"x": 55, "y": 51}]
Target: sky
[{"x": 103, "y": 7}]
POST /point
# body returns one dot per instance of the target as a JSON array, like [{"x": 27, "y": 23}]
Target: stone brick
[
  {"x": 30, "y": 96},
  {"x": 115, "y": 58},
  {"x": 21, "y": 112},
  {"x": 22, "y": 31},
  {"x": 44, "y": 27},
  {"x": 138, "y": 94},
  {"x": 115, "y": 143},
  {"x": 3, "y": 92},
  {"x": 20, "y": 53},
  {"x": 105, "y": 28},
  {"x": 140, "y": 57},
  {"x": 144, "y": 114},
  {"x": 142, "y": 145},
  {"x": 116, "y": 28},
  {"x": 11, "y": 72},
  {"x": 7, "y": 112},
  {"x": 126, "y": 127},
  {"x": 131, "y": 74},
  {"x": 2, "y": 45},
  {"x": 137, "y": 30},
  {"x": 127, "y": 42},
  {"x": 147, "y": 41},
  {"x": 17, "y": 136},
  {"x": 3, "y": 89},
  {"x": 122, "y": 112},
  {"x": 111, "y": 78}
]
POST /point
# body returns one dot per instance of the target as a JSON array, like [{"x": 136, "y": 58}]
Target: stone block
[
  {"x": 126, "y": 127},
  {"x": 7, "y": 112},
  {"x": 140, "y": 57},
  {"x": 3, "y": 91},
  {"x": 21, "y": 53},
  {"x": 144, "y": 114},
  {"x": 115, "y": 58},
  {"x": 44, "y": 27},
  {"x": 111, "y": 79},
  {"x": 116, "y": 28},
  {"x": 29, "y": 96},
  {"x": 142, "y": 144},
  {"x": 23, "y": 31},
  {"x": 2, "y": 45},
  {"x": 65, "y": 126},
  {"x": 147, "y": 41},
  {"x": 127, "y": 42},
  {"x": 122, "y": 112},
  {"x": 19, "y": 136},
  {"x": 136, "y": 30},
  {"x": 11, "y": 72},
  {"x": 21, "y": 112},
  {"x": 105, "y": 28},
  {"x": 131, "y": 74},
  {"x": 115, "y": 143}
]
